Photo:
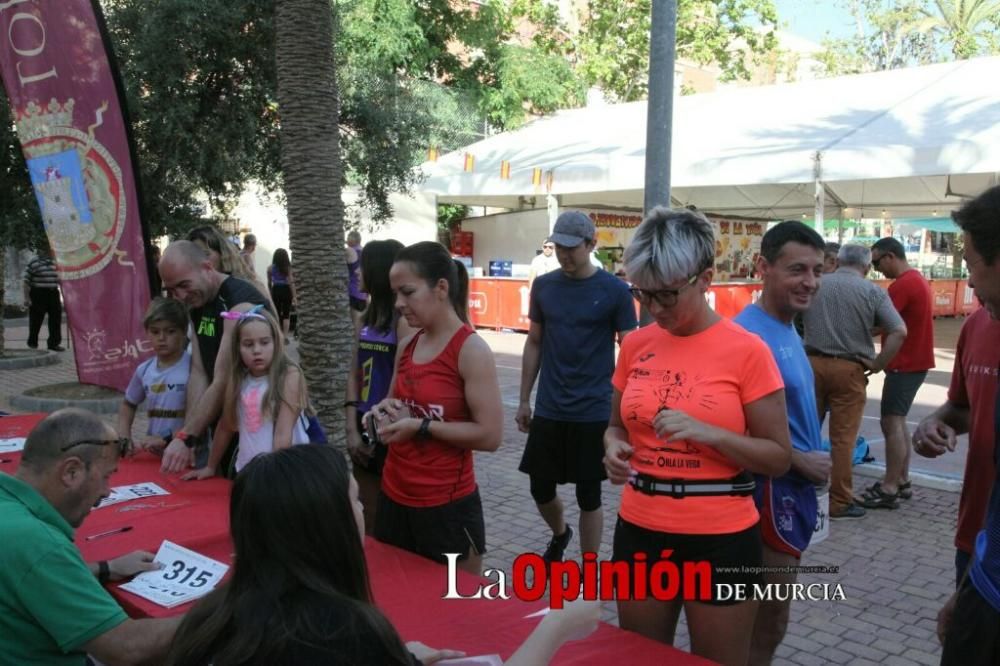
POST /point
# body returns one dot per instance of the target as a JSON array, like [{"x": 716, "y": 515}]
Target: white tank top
[{"x": 256, "y": 430}]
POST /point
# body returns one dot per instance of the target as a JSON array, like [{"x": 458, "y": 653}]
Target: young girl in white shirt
[{"x": 266, "y": 397}]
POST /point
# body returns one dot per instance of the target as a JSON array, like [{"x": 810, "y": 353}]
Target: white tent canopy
[{"x": 905, "y": 142}]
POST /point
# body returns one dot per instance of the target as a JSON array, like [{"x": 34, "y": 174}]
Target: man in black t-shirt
[{"x": 188, "y": 275}]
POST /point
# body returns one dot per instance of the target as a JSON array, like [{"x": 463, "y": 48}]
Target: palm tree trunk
[{"x": 310, "y": 160}]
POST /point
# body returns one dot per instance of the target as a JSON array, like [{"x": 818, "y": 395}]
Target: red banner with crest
[{"x": 63, "y": 95}]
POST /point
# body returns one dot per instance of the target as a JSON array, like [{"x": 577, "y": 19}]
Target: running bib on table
[
  {"x": 135, "y": 491},
  {"x": 185, "y": 576}
]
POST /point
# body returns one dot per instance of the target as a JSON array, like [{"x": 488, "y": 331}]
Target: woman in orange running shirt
[{"x": 698, "y": 407}]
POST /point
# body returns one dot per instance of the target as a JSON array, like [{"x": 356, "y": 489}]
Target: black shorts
[
  {"x": 899, "y": 390},
  {"x": 358, "y": 304},
  {"x": 433, "y": 531},
  {"x": 565, "y": 451},
  {"x": 973, "y": 637},
  {"x": 736, "y": 550}
]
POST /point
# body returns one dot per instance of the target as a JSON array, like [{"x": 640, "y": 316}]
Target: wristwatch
[
  {"x": 184, "y": 437},
  {"x": 424, "y": 432}
]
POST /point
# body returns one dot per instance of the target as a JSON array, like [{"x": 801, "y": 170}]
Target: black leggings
[
  {"x": 588, "y": 493},
  {"x": 281, "y": 294}
]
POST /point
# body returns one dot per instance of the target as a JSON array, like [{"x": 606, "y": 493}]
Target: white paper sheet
[
  {"x": 185, "y": 576},
  {"x": 128, "y": 493},
  {"x": 11, "y": 444}
]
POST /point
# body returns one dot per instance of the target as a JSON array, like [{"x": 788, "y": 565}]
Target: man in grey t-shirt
[{"x": 838, "y": 336}]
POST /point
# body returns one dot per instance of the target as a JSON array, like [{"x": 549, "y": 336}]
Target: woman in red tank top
[{"x": 443, "y": 405}]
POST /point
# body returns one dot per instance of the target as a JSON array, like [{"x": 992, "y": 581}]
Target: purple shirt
[{"x": 376, "y": 358}]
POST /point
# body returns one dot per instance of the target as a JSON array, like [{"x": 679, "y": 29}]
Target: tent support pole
[
  {"x": 820, "y": 192},
  {"x": 552, "y": 206},
  {"x": 659, "y": 108}
]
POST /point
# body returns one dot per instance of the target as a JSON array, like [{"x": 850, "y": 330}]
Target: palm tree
[
  {"x": 310, "y": 160},
  {"x": 961, "y": 22}
]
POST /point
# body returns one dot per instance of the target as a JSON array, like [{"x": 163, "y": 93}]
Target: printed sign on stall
[{"x": 737, "y": 246}]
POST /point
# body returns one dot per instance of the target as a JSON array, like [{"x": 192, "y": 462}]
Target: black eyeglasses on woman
[{"x": 665, "y": 298}]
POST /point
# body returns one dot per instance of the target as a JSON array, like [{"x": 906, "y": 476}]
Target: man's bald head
[
  {"x": 57, "y": 431},
  {"x": 188, "y": 274},
  {"x": 186, "y": 252}
]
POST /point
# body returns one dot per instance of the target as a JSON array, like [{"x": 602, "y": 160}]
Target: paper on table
[
  {"x": 479, "y": 660},
  {"x": 128, "y": 493},
  {"x": 11, "y": 444},
  {"x": 185, "y": 576}
]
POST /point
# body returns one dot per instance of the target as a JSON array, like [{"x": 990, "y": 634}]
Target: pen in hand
[{"x": 118, "y": 530}]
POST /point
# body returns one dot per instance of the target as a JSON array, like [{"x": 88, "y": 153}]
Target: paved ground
[{"x": 896, "y": 567}]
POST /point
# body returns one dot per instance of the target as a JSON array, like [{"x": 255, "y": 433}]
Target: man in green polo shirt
[{"x": 52, "y": 608}]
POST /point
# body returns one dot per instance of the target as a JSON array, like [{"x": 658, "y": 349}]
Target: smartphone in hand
[{"x": 371, "y": 426}]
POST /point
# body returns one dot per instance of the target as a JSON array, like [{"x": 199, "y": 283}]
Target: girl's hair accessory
[{"x": 252, "y": 313}]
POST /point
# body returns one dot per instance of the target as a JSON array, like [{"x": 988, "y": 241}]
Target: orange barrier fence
[{"x": 500, "y": 303}]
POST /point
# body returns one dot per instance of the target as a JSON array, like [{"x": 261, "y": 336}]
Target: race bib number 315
[{"x": 184, "y": 576}]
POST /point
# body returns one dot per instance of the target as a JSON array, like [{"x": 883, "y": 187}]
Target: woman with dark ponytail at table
[
  {"x": 299, "y": 591},
  {"x": 443, "y": 405}
]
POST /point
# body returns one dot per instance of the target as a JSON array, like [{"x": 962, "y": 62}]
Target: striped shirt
[
  {"x": 41, "y": 274},
  {"x": 843, "y": 313}
]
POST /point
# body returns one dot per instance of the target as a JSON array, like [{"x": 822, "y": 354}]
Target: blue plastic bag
[{"x": 862, "y": 452}]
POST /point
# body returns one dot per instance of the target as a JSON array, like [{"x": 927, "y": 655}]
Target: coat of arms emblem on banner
[{"x": 78, "y": 185}]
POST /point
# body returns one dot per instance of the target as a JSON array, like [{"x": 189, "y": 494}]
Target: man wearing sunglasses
[
  {"x": 575, "y": 313},
  {"x": 53, "y": 609},
  {"x": 543, "y": 263},
  {"x": 911, "y": 295}
]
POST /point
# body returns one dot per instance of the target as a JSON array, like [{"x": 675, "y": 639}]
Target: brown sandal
[{"x": 876, "y": 498}]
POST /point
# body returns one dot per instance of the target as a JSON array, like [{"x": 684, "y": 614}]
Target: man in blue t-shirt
[
  {"x": 969, "y": 623},
  {"x": 790, "y": 265},
  {"x": 575, "y": 315}
]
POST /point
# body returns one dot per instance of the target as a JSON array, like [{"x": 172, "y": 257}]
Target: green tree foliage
[
  {"x": 201, "y": 92},
  {"x": 893, "y": 34},
  {"x": 199, "y": 78},
  {"x": 20, "y": 220},
  {"x": 970, "y": 27},
  {"x": 613, "y": 46},
  {"x": 885, "y": 38}
]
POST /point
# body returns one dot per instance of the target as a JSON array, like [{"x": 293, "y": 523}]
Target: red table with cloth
[
  {"x": 408, "y": 588},
  {"x": 195, "y": 515}
]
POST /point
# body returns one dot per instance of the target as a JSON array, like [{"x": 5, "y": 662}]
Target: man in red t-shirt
[
  {"x": 911, "y": 296},
  {"x": 970, "y": 408}
]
